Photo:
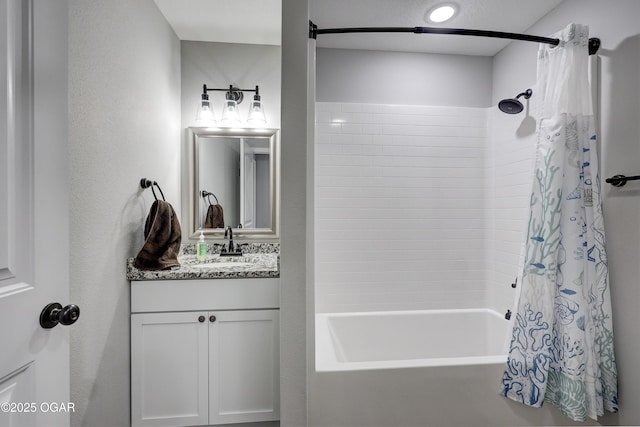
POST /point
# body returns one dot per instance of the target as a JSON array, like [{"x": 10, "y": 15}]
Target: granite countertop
[{"x": 257, "y": 261}]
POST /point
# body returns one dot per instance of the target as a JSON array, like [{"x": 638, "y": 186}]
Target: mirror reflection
[
  {"x": 233, "y": 177},
  {"x": 234, "y": 182}
]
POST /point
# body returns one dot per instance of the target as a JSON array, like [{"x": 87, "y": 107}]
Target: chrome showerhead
[{"x": 512, "y": 105}]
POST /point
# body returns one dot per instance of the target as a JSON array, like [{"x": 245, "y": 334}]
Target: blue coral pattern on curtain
[{"x": 561, "y": 348}]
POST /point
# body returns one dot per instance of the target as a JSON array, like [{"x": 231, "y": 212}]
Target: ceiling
[
  {"x": 259, "y": 22},
  {"x": 225, "y": 21}
]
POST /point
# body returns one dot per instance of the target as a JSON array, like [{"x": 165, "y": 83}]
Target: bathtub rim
[{"x": 327, "y": 361}]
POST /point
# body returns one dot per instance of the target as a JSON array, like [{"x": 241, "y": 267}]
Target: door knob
[{"x": 54, "y": 313}]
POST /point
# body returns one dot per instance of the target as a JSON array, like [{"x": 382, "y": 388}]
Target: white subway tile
[
  {"x": 351, "y": 108},
  {"x": 415, "y": 204},
  {"x": 372, "y": 128},
  {"x": 351, "y": 128},
  {"x": 324, "y": 128},
  {"x": 328, "y": 107},
  {"x": 323, "y": 117}
]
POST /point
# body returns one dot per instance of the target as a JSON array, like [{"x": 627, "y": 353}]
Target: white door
[{"x": 34, "y": 361}]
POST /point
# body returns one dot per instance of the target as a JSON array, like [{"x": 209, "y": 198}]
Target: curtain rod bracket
[
  {"x": 313, "y": 30},
  {"x": 594, "y": 45}
]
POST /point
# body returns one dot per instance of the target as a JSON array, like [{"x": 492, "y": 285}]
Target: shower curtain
[{"x": 562, "y": 343}]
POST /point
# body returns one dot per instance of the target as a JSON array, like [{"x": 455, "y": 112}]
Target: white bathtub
[
  {"x": 402, "y": 339},
  {"x": 415, "y": 368}
]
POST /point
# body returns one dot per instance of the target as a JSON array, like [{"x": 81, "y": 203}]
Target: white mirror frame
[{"x": 194, "y": 134}]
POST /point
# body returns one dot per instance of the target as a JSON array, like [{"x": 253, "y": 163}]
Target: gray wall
[
  {"x": 616, "y": 24},
  {"x": 295, "y": 289},
  {"x": 124, "y": 124},
  {"x": 380, "y": 77}
]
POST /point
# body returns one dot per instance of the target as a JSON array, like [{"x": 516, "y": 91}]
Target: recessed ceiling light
[{"x": 441, "y": 13}]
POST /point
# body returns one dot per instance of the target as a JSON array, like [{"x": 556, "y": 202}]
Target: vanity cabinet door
[
  {"x": 244, "y": 366},
  {"x": 169, "y": 364}
]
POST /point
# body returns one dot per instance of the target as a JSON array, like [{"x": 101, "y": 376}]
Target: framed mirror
[{"x": 233, "y": 179}]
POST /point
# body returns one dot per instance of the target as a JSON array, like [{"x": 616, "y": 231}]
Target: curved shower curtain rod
[{"x": 594, "y": 43}]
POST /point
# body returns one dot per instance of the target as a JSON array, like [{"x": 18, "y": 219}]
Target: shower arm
[{"x": 594, "y": 43}]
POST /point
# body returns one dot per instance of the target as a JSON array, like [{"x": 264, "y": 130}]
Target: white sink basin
[
  {"x": 229, "y": 259},
  {"x": 216, "y": 262},
  {"x": 220, "y": 264}
]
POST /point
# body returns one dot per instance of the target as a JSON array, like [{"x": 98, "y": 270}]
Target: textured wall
[
  {"x": 400, "y": 207},
  {"x": 124, "y": 124}
]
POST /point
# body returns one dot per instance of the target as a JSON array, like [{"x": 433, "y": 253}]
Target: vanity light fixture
[{"x": 230, "y": 112}]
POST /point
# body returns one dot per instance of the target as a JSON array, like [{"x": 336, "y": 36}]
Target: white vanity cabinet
[
  {"x": 204, "y": 352},
  {"x": 169, "y": 369}
]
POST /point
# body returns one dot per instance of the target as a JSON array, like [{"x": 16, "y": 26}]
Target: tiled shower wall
[
  {"x": 400, "y": 207},
  {"x": 509, "y": 159}
]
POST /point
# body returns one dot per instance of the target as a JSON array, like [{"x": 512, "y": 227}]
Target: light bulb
[
  {"x": 230, "y": 112},
  {"x": 205, "y": 113},
  {"x": 256, "y": 112}
]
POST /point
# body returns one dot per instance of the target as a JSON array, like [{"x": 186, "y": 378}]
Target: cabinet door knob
[
  {"x": 201, "y": 319},
  {"x": 212, "y": 319}
]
